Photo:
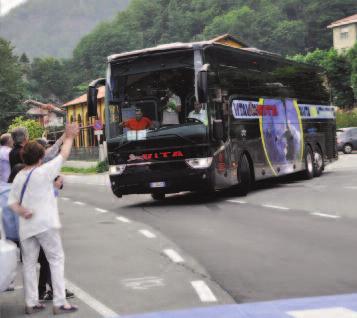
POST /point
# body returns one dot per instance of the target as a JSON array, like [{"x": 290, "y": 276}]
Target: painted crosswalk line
[{"x": 324, "y": 313}]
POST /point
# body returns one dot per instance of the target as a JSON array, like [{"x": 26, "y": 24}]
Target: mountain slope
[{"x": 53, "y": 28}]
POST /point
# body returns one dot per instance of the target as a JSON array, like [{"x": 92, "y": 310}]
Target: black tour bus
[{"x": 264, "y": 116}]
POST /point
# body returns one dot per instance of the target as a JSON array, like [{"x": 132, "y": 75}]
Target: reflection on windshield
[{"x": 154, "y": 100}]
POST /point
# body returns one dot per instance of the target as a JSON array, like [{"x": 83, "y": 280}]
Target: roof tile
[
  {"x": 344, "y": 21},
  {"x": 83, "y": 99}
]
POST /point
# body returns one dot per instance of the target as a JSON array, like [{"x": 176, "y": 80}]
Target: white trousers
[{"x": 51, "y": 243}]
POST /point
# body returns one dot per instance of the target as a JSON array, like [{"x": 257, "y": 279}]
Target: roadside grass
[
  {"x": 99, "y": 168},
  {"x": 90, "y": 170}
]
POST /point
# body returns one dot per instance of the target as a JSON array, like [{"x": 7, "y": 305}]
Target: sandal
[
  {"x": 30, "y": 310},
  {"x": 63, "y": 310}
]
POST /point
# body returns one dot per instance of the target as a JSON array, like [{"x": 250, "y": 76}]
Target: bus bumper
[{"x": 156, "y": 179}]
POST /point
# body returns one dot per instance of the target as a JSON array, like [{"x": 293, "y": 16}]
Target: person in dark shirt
[{"x": 20, "y": 137}]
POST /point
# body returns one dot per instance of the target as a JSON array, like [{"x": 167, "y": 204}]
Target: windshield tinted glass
[{"x": 153, "y": 100}]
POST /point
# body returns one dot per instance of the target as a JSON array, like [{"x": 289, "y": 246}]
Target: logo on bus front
[{"x": 156, "y": 155}]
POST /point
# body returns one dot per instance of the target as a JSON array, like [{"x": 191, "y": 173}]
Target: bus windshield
[{"x": 155, "y": 100}]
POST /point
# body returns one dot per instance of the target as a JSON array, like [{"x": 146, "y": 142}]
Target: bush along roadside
[
  {"x": 346, "y": 119},
  {"x": 101, "y": 167}
]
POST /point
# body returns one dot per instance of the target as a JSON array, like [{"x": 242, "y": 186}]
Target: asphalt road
[{"x": 288, "y": 238}]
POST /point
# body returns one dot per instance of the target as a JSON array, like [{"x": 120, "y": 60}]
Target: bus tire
[
  {"x": 244, "y": 175},
  {"x": 309, "y": 164},
  {"x": 158, "y": 196},
  {"x": 318, "y": 162}
]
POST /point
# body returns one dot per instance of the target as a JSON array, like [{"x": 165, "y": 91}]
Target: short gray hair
[
  {"x": 19, "y": 135},
  {"x": 4, "y": 139}
]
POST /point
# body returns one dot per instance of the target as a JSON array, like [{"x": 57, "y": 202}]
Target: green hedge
[
  {"x": 346, "y": 119},
  {"x": 102, "y": 166}
]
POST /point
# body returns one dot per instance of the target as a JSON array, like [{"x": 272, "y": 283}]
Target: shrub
[
  {"x": 102, "y": 166},
  {"x": 346, "y": 119},
  {"x": 33, "y": 127}
]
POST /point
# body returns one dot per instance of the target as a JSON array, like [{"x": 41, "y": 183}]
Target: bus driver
[
  {"x": 199, "y": 113},
  {"x": 138, "y": 123}
]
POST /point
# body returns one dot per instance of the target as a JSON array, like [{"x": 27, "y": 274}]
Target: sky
[{"x": 7, "y": 5}]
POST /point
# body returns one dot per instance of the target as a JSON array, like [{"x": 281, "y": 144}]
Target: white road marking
[
  {"x": 147, "y": 234},
  {"x": 79, "y": 203},
  {"x": 324, "y": 313},
  {"x": 96, "y": 305},
  {"x": 237, "y": 201},
  {"x": 203, "y": 291},
  {"x": 324, "y": 215},
  {"x": 143, "y": 283},
  {"x": 174, "y": 256},
  {"x": 123, "y": 219},
  {"x": 350, "y": 187},
  {"x": 101, "y": 210},
  {"x": 64, "y": 199},
  {"x": 278, "y": 207}
]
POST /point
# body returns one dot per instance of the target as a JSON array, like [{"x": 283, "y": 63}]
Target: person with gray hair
[
  {"x": 6, "y": 144},
  {"x": 20, "y": 136}
]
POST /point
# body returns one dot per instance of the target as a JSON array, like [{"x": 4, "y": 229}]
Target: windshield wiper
[{"x": 176, "y": 135}]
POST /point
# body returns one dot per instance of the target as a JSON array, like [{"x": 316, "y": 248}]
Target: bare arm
[
  {"x": 20, "y": 210},
  {"x": 72, "y": 131},
  {"x": 54, "y": 150}
]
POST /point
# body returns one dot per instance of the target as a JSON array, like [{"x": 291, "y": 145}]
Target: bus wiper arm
[
  {"x": 123, "y": 145},
  {"x": 182, "y": 137}
]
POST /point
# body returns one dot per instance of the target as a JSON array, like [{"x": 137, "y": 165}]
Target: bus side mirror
[
  {"x": 218, "y": 130},
  {"x": 202, "y": 84},
  {"x": 92, "y": 96},
  {"x": 92, "y": 101}
]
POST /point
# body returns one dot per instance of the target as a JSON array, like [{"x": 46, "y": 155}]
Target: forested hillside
[
  {"x": 53, "y": 28},
  {"x": 283, "y": 26},
  {"x": 288, "y": 27}
]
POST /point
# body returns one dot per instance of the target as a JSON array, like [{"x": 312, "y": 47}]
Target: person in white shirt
[
  {"x": 32, "y": 197},
  {"x": 199, "y": 113},
  {"x": 6, "y": 144},
  {"x": 170, "y": 114}
]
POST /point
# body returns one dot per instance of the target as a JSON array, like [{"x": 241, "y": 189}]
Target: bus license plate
[{"x": 157, "y": 184}]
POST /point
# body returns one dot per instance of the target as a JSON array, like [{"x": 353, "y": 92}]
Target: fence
[
  {"x": 85, "y": 153},
  {"x": 85, "y": 146}
]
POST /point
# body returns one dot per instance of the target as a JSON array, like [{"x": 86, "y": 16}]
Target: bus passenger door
[{"x": 222, "y": 156}]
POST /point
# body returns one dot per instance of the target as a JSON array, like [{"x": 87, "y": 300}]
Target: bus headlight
[
  {"x": 199, "y": 163},
  {"x": 117, "y": 170}
]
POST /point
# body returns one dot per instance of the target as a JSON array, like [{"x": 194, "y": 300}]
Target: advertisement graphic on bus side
[{"x": 280, "y": 122}]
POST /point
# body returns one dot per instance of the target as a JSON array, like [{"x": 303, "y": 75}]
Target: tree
[
  {"x": 50, "y": 78},
  {"x": 338, "y": 71},
  {"x": 11, "y": 84},
  {"x": 24, "y": 59},
  {"x": 33, "y": 127},
  {"x": 352, "y": 56}
]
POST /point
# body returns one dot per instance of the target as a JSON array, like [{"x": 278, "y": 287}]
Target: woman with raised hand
[{"x": 33, "y": 198}]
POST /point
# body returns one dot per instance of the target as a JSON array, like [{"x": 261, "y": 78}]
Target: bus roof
[{"x": 224, "y": 40}]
